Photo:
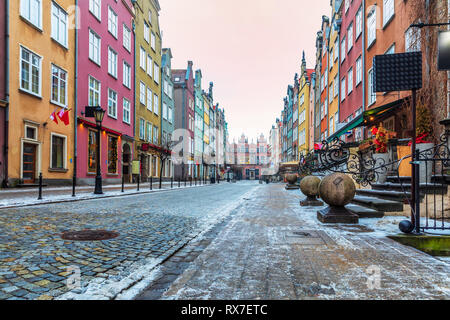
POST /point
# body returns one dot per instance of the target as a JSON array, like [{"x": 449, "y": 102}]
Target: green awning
[{"x": 358, "y": 121}]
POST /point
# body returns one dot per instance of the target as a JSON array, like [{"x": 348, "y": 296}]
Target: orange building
[{"x": 42, "y": 82}]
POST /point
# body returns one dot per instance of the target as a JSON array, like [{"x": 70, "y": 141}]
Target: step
[
  {"x": 395, "y": 179},
  {"x": 378, "y": 204},
  {"x": 386, "y": 195},
  {"x": 429, "y": 188},
  {"x": 364, "y": 212}
]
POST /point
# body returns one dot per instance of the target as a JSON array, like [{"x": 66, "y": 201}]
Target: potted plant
[
  {"x": 381, "y": 155},
  {"x": 424, "y": 131}
]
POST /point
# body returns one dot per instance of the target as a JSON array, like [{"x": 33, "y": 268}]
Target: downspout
[
  {"x": 183, "y": 121},
  {"x": 364, "y": 72},
  {"x": 5, "y": 149},
  {"x": 75, "y": 122},
  {"x": 448, "y": 72}
]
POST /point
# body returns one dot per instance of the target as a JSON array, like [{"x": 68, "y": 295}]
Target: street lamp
[{"x": 99, "y": 113}]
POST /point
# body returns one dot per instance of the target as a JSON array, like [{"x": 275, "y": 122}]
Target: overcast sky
[{"x": 250, "y": 49}]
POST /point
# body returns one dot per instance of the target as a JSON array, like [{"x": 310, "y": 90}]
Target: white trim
[
  {"x": 51, "y": 150},
  {"x": 51, "y": 85},
  {"x": 30, "y": 73}
]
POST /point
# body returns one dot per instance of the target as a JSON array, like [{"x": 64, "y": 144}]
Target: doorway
[{"x": 29, "y": 163}]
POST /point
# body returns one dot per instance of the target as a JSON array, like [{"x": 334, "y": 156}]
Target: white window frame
[
  {"x": 95, "y": 51},
  {"x": 155, "y": 104},
  {"x": 372, "y": 97},
  {"x": 95, "y": 7},
  {"x": 143, "y": 59},
  {"x": 146, "y": 32},
  {"x": 342, "y": 49},
  {"x": 59, "y": 21},
  {"x": 149, "y": 66},
  {"x": 126, "y": 38},
  {"x": 155, "y": 137},
  {"x": 112, "y": 104},
  {"x": 30, "y": 68},
  {"x": 126, "y": 74},
  {"x": 112, "y": 62},
  {"x": 142, "y": 91},
  {"x": 350, "y": 81},
  {"x": 372, "y": 27},
  {"x": 388, "y": 11},
  {"x": 64, "y": 152},
  {"x": 149, "y": 99},
  {"x": 60, "y": 81},
  {"x": 113, "y": 22},
  {"x": 343, "y": 81},
  {"x": 126, "y": 111},
  {"x": 153, "y": 41},
  {"x": 358, "y": 22},
  {"x": 142, "y": 129},
  {"x": 27, "y": 12},
  {"x": 156, "y": 73},
  {"x": 98, "y": 92},
  {"x": 358, "y": 70},
  {"x": 350, "y": 37},
  {"x": 149, "y": 128}
]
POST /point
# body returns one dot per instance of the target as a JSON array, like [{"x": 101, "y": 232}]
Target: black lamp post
[{"x": 99, "y": 113}]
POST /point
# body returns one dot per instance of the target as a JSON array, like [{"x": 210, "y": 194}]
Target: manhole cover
[{"x": 89, "y": 235}]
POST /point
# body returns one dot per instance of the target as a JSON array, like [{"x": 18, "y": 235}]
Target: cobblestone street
[
  {"x": 274, "y": 249},
  {"x": 34, "y": 260}
]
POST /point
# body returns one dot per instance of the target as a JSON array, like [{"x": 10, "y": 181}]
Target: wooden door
[{"x": 29, "y": 163}]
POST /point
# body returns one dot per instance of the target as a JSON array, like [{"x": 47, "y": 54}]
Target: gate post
[{"x": 417, "y": 192}]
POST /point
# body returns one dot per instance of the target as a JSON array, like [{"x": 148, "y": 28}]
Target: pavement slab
[{"x": 271, "y": 248}]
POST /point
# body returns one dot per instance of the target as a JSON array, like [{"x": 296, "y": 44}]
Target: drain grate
[
  {"x": 89, "y": 235},
  {"x": 301, "y": 234}
]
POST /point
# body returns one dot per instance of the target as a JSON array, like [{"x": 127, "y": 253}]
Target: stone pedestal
[
  {"x": 337, "y": 215},
  {"x": 337, "y": 190},
  {"x": 311, "y": 202},
  {"x": 292, "y": 180}
]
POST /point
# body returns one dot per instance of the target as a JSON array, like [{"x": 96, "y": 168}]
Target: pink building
[
  {"x": 352, "y": 67},
  {"x": 105, "y": 78}
]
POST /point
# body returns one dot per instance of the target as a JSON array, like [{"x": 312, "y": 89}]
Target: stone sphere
[
  {"x": 337, "y": 189},
  {"x": 310, "y": 186},
  {"x": 291, "y": 178},
  {"x": 406, "y": 226}
]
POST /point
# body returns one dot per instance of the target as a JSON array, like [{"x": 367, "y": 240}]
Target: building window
[
  {"x": 146, "y": 32},
  {"x": 126, "y": 38},
  {"x": 142, "y": 129},
  {"x": 164, "y": 113},
  {"x": 350, "y": 81},
  {"x": 358, "y": 70},
  {"x": 126, "y": 111},
  {"x": 142, "y": 93},
  {"x": 149, "y": 132},
  {"x": 112, "y": 155},
  {"x": 155, "y": 135},
  {"x": 388, "y": 11},
  {"x": 126, "y": 75},
  {"x": 112, "y": 104},
  {"x": 350, "y": 37},
  {"x": 371, "y": 27},
  {"x": 347, "y": 5},
  {"x": 156, "y": 104},
  {"x": 343, "y": 89},
  {"x": 30, "y": 72},
  {"x": 343, "y": 50},
  {"x": 58, "y": 152},
  {"x": 153, "y": 43},
  {"x": 112, "y": 22},
  {"x": 372, "y": 96},
  {"x": 112, "y": 62},
  {"x": 94, "y": 47},
  {"x": 358, "y": 21},
  {"x": 149, "y": 99},
  {"x": 31, "y": 10},
  {"x": 170, "y": 115},
  {"x": 95, "y": 7},
  {"x": 143, "y": 59},
  {"x": 59, "y": 24},
  {"x": 59, "y": 86},
  {"x": 412, "y": 40},
  {"x": 391, "y": 49},
  {"x": 149, "y": 66},
  {"x": 92, "y": 151},
  {"x": 94, "y": 92},
  {"x": 156, "y": 73},
  {"x": 336, "y": 86},
  {"x": 150, "y": 16}
]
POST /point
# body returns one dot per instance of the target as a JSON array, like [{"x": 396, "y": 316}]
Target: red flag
[
  {"x": 64, "y": 116},
  {"x": 53, "y": 117}
]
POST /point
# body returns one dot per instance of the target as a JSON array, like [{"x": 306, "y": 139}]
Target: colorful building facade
[
  {"x": 41, "y": 67},
  {"x": 4, "y": 86},
  {"x": 304, "y": 110},
  {"x": 167, "y": 117},
  {"x": 333, "y": 68}
]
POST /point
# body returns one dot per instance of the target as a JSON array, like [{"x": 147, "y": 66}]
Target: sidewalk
[
  {"x": 274, "y": 249},
  {"x": 11, "y": 198}
]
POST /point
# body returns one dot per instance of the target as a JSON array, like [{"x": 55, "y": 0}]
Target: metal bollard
[
  {"x": 179, "y": 182},
  {"x": 138, "y": 180},
  {"x": 40, "y": 186},
  {"x": 190, "y": 182},
  {"x": 123, "y": 183},
  {"x": 160, "y": 183},
  {"x": 151, "y": 183},
  {"x": 171, "y": 183},
  {"x": 74, "y": 183}
]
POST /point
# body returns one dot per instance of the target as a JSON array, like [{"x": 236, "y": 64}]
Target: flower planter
[{"x": 425, "y": 167}]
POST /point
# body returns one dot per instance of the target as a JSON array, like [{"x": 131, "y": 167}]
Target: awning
[{"x": 367, "y": 118}]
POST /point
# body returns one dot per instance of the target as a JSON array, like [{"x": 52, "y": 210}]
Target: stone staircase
[{"x": 392, "y": 195}]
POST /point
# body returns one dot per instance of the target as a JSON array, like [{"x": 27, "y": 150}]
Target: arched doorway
[{"x": 126, "y": 162}]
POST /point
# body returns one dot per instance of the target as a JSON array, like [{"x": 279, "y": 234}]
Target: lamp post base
[
  {"x": 337, "y": 215},
  {"x": 98, "y": 185}
]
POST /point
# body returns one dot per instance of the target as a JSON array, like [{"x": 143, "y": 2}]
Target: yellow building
[
  {"x": 42, "y": 81},
  {"x": 333, "y": 72},
  {"x": 148, "y": 87},
  {"x": 303, "y": 108}
]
